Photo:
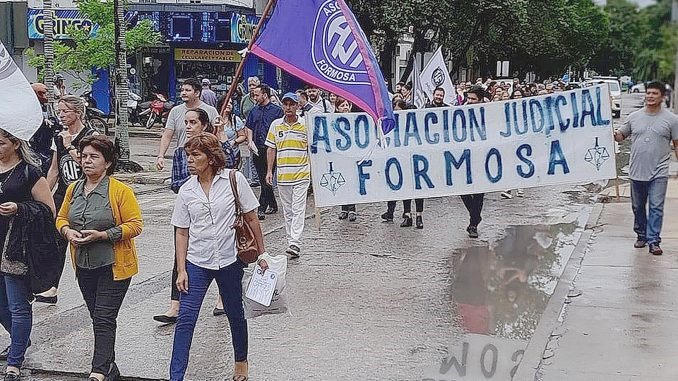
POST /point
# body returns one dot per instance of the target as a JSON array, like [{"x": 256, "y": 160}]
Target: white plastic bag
[{"x": 279, "y": 301}]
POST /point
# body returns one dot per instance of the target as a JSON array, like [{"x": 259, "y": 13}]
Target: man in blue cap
[{"x": 287, "y": 144}]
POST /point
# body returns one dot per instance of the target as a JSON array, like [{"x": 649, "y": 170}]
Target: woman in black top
[
  {"x": 65, "y": 168},
  {"x": 20, "y": 182}
]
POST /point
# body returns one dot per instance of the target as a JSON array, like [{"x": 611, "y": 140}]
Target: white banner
[
  {"x": 435, "y": 75},
  {"x": 20, "y": 114},
  {"x": 418, "y": 92},
  {"x": 554, "y": 139}
]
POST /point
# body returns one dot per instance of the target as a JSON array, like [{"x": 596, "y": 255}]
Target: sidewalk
[{"x": 620, "y": 310}]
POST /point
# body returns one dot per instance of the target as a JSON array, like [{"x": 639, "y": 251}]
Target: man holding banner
[{"x": 474, "y": 202}]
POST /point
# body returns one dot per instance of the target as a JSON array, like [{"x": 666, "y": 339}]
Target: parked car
[
  {"x": 638, "y": 87},
  {"x": 615, "y": 91}
]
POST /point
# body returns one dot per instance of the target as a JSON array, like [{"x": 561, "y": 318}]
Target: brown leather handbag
[{"x": 245, "y": 241}]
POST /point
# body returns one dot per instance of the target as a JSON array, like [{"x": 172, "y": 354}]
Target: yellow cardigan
[{"x": 126, "y": 214}]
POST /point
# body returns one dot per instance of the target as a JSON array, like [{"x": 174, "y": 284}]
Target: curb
[{"x": 551, "y": 318}]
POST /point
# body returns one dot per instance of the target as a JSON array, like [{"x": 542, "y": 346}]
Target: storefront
[
  {"x": 197, "y": 41},
  {"x": 196, "y": 45}
]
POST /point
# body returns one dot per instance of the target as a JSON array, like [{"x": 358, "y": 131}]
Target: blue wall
[{"x": 100, "y": 90}]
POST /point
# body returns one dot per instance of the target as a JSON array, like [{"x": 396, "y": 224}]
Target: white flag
[
  {"x": 418, "y": 93},
  {"x": 20, "y": 111},
  {"x": 435, "y": 75}
]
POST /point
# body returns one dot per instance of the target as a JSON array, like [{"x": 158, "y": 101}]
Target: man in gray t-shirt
[
  {"x": 190, "y": 94},
  {"x": 651, "y": 129}
]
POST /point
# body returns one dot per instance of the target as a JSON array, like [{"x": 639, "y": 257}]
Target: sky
[{"x": 642, "y": 3}]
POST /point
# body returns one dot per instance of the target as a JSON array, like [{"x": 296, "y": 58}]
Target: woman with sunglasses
[{"x": 65, "y": 168}]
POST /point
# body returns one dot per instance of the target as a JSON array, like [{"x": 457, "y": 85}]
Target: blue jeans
[
  {"x": 249, "y": 170},
  {"x": 647, "y": 199},
  {"x": 229, "y": 280},
  {"x": 16, "y": 315}
]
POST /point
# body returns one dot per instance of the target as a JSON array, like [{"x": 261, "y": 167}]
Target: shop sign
[
  {"x": 242, "y": 27},
  {"x": 207, "y": 55},
  {"x": 62, "y": 20}
]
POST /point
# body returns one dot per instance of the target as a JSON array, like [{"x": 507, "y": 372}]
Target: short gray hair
[
  {"x": 255, "y": 80},
  {"x": 74, "y": 103}
]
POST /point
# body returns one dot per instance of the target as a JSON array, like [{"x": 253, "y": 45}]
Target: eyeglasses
[{"x": 61, "y": 111}]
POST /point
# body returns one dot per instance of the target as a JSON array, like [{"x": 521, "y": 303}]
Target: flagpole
[{"x": 241, "y": 65}]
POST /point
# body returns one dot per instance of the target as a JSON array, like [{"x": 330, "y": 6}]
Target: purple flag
[{"x": 321, "y": 42}]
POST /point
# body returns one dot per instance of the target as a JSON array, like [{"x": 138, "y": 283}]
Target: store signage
[
  {"x": 62, "y": 20},
  {"x": 242, "y": 27},
  {"x": 207, "y": 55}
]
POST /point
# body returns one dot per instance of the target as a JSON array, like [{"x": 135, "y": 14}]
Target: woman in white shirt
[{"x": 206, "y": 250}]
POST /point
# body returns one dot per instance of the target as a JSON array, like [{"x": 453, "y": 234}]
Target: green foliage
[
  {"x": 657, "y": 43},
  {"x": 535, "y": 35},
  {"x": 640, "y": 42},
  {"x": 83, "y": 52}
]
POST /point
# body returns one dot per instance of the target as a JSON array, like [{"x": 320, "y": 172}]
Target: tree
[
  {"x": 658, "y": 43},
  {"x": 76, "y": 57},
  {"x": 535, "y": 35},
  {"x": 617, "y": 53}
]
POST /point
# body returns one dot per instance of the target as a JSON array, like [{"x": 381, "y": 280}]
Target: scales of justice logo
[
  {"x": 332, "y": 180},
  {"x": 597, "y": 155},
  {"x": 335, "y": 52}
]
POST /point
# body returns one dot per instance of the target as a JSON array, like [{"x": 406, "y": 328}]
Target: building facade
[{"x": 198, "y": 39}]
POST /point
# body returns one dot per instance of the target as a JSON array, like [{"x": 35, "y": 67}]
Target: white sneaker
[
  {"x": 506, "y": 195},
  {"x": 520, "y": 193}
]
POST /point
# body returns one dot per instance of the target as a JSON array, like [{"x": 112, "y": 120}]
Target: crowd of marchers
[{"x": 58, "y": 194}]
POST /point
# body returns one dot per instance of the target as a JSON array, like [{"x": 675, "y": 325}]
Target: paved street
[{"x": 368, "y": 300}]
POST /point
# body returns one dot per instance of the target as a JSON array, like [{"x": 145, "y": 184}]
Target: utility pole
[
  {"x": 674, "y": 19},
  {"x": 121, "y": 127},
  {"x": 48, "y": 47}
]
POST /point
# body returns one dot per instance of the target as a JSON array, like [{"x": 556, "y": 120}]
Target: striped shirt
[{"x": 291, "y": 144}]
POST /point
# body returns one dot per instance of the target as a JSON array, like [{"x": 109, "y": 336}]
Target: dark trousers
[
  {"x": 175, "y": 273},
  {"x": 407, "y": 205},
  {"x": 62, "y": 244},
  {"x": 474, "y": 205},
  {"x": 266, "y": 198},
  {"x": 348, "y": 208},
  {"x": 16, "y": 315},
  {"x": 103, "y": 297},
  {"x": 229, "y": 280}
]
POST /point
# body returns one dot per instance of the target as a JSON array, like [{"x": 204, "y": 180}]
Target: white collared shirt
[
  {"x": 208, "y": 218},
  {"x": 321, "y": 105}
]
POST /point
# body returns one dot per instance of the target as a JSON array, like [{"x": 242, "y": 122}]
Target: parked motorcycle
[
  {"x": 134, "y": 109},
  {"x": 157, "y": 110},
  {"x": 93, "y": 116}
]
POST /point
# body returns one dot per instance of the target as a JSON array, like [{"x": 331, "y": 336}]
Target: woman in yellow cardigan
[{"x": 100, "y": 217}]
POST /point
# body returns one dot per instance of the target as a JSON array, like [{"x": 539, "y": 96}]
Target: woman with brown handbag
[{"x": 206, "y": 248}]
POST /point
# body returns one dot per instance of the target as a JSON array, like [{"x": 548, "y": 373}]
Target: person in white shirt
[
  {"x": 317, "y": 102},
  {"x": 206, "y": 249}
]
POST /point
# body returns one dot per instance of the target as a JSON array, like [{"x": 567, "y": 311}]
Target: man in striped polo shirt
[{"x": 287, "y": 144}]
